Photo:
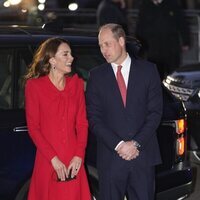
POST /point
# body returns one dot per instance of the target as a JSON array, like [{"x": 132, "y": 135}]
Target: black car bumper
[
  {"x": 174, "y": 184},
  {"x": 171, "y": 185}
]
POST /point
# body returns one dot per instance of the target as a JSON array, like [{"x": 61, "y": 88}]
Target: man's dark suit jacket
[
  {"x": 111, "y": 122},
  {"x": 163, "y": 30}
]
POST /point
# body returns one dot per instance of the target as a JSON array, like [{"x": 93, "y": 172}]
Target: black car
[
  {"x": 17, "y": 44},
  {"x": 184, "y": 84}
]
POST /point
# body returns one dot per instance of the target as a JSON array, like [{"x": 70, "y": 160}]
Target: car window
[
  {"x": 6, "y": 57},
  {"x": 13, "y": 65},
  {"x": 24, "y": 59},
  {"x": 20, "y": 89},
  {"x": 15, "y": 61},
  {"x": 86, "y": 58}
]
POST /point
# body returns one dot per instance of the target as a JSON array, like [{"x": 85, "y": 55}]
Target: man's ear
[{"x": 121, "y": 41}]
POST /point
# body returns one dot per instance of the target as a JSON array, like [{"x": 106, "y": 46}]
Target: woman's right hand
[{"x": 59, "y": 167}]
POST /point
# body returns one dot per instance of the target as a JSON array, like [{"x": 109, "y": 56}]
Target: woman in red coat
[{"x": 56, "y": 118}]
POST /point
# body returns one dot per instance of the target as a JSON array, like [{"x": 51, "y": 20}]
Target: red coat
[{"x": 58, "y": 126}]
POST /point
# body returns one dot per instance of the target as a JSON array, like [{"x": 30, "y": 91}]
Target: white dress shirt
[{"x": 126, "y": 65}]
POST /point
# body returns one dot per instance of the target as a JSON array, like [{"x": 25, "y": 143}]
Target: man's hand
[{"x": 127, "y": 150}]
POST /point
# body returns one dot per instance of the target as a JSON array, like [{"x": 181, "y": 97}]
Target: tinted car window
[
  {"x": 23, "y": 60},
  {"x": 6, "y": 57},
  {"x": 13, "y": 65},
  {"x": 85, "y": 59}
]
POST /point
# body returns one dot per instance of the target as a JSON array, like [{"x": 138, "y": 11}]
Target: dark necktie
[{"x": 121, "y": 84}]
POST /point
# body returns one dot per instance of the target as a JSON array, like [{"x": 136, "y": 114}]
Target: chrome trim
[
  {"x": 179, "y": 92},
  {"x": 20, "y": 129}
]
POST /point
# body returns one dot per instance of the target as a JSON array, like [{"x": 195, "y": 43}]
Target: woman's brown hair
[{"x": 40, "y": 65}]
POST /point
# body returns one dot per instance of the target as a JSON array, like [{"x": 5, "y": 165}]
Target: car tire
[
  {"x": 94, "y": 198},
  {"x": 23, "y": 192}
]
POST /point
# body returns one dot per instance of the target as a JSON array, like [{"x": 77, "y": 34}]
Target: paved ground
[{"x": 196, "y": 163}]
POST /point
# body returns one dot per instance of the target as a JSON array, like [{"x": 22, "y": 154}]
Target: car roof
[
  {"x": 189, "y": 67},
  {"x": 45, "y": 29},
  {"x": 25, "y": 34}
]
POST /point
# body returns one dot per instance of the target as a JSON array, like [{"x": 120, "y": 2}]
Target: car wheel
[
  {"x": 23, "y": 193},
  {"x": 94, "y": 198}
]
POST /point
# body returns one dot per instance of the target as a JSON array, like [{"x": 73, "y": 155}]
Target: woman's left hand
[{"x": 75, "y": 165}]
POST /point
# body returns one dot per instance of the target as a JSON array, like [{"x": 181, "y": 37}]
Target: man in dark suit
[
  {"x": 164, "y": 32},
  {"x": 124, "y": 105}
]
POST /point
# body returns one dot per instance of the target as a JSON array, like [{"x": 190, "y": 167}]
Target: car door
[{"x": 15, "y": 163}]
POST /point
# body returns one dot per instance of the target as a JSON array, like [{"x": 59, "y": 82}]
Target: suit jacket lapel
[{"x": 131, "y": 82}]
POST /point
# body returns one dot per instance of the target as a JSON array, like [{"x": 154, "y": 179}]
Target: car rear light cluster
[
  {"x": 180, "y": 146},
  {"x": 179, "y": 92},
  {"x": 181, "y": 127}
]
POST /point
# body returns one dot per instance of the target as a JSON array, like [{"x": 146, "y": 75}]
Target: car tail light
[
  {"x": 180, "y": 146},
  {"x": 180, "y": 126}
]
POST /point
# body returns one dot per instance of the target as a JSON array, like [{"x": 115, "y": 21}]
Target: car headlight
[{"x": 199, "y": 94}]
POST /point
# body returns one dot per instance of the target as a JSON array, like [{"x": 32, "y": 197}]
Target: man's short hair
[{"x": 116, "y": 29}]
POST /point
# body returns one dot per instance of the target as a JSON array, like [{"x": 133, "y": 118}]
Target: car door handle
[{"x": 20, "y": 129}]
